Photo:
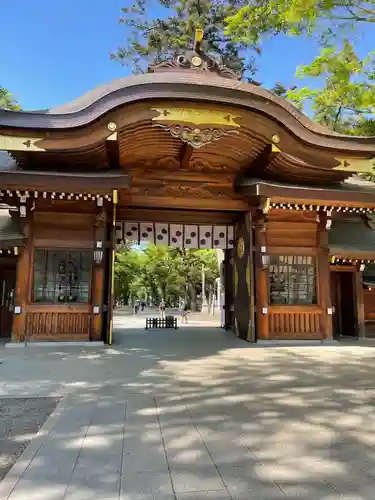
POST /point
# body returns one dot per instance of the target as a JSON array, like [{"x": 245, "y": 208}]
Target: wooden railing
[
  {"x": 295, "y": 322},
  {"x": 56, "y": 325}
]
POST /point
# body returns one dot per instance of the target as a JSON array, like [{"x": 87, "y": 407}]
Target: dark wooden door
[
  {"x": 347, "y": 305},
  {"x": 343, "y": 304},
  {"x": 244, "y": 324},
  {"x": 7, "y": 286},
  {"x": 334, "y": 301}
]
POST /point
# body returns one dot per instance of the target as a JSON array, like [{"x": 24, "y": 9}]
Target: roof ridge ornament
[{"x": 195, "y": 59}]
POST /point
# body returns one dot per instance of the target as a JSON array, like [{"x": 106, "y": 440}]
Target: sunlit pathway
[{"x": 195, "y": 414}]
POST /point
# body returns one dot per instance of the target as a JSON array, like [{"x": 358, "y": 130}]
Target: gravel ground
[{"x": 20, "y": 419}]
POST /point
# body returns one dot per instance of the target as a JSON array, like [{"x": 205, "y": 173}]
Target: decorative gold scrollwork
[
  {"x": 240, "y": 247},
  {"x": 195, "y": 137}
]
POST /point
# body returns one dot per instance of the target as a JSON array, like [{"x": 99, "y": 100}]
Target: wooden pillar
[
  {"x": 243, "y": 279},
  {"x": 261, "y": 282},
  {"x": 98, "y": 277},
  {"x": 228, "y": 289},
  {"x": 359, "y": 303},
  {"x": 324, "y": 277},
  {"x": 23, "y": 292},
  {"x": 112, "y": 268}
]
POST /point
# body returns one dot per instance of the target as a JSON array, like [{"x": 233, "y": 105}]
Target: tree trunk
[{"x": 193, "y": 297}]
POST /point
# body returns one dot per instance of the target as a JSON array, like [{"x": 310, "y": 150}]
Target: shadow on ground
[{"x": 208, "y": 411}]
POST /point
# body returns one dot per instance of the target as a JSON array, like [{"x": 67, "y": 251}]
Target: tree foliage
[
  {"x": 347, "y": 95},
  {"x": 256, "y": 19},
  {"x": 163, "y": 273},
  {"x": 7, "y": 100},
  {"x": 151, "y": 40}
]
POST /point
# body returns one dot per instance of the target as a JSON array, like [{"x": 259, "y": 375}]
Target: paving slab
[{"x": 146, "y": 485}]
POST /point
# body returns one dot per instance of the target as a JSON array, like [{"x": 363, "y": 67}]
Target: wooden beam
[
  {"x": 144, "y": 201},
  {"x": 186, "y": 152},
  {"x": 259, "y": 165},
  {"x": 112, "y": 151},
  {"x": 208, "y": 217}
]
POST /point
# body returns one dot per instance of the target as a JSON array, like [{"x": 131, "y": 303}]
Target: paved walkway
[{"x": 195, "y": 414}]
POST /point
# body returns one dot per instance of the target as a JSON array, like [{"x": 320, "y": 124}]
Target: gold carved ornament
[
  {"x": 196, "y": 137},
  {"x": 248, "y": 279},
  {"x": 357, "y": 165},
  {"x": 240, "y": 247},
  {"x": 235, "y": 280},
  {"x": 196, "y": 127},
  {"x": 12, "y": 143}
]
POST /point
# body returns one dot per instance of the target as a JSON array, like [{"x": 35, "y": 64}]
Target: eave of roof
[
  {"x": 10, "y": 230},
  {"x": 187, "y": 85},
  {"x": 12, "y": 176},
  {"x": 352, "y": 238},
  {"x": 353, "y": 189}
]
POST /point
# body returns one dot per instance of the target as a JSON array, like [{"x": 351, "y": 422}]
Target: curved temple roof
[
  {"x": 189, "y": 116},
  {"x": 189, "y": 85}
]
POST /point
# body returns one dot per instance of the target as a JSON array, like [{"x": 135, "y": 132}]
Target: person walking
[
  {"x": 162, "y": 309},
  {"x": 184, "y": 311},
  {"x": 136, "y": 306}
]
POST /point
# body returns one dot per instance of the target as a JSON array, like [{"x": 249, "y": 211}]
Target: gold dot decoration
[
  {"x": 240, "y": 247},
  {"x": 112, "y": 126},
  {"x": 196, "y": 61},
  {"x": 276, "y": 139}
]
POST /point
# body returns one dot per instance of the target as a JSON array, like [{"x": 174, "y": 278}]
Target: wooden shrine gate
[{"x": 237, "y": 275}]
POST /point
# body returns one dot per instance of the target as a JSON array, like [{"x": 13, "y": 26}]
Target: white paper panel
[
  {"x": 205, "y": 236},
  {"x": 230, "y": 242},
  {"x": 176, "y": 235},
  {"x": 146, "y": 232},
  {"x": 220, "y": 237},
  {"x": 119, "y": 231},
  {"x": 131, "y": 231},
  {"x": 161, "y": 234},
  {"x": 191, "y": 237}
]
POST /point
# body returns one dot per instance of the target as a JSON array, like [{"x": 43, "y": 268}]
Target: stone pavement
[{"x": 195, "y": 414}]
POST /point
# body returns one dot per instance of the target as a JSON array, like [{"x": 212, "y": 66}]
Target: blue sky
[{"x": 54, "y": 51}]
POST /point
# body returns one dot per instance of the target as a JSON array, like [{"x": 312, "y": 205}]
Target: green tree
[
  {"x": 128, "y": 265},
  {"x": 346, "y": 98},
  {"x": 256, "y": 19},
  {"x": 151, "y": 40},
  {"x": 165, "y": 273},
  {"x": 7, "y": 100}
]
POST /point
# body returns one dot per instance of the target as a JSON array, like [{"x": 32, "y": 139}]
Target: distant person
[
  {"x": 162, "y": 308},
  {"x": 184, "y": 312},
  {"x": 143, "y": 305},
  {"x": 136, "y": 306}
]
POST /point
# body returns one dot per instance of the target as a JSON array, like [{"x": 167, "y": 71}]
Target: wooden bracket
[{"x": 186, "y": 152}]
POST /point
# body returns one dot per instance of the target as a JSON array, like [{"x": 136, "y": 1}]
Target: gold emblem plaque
[{"x": 240, "y": 247}]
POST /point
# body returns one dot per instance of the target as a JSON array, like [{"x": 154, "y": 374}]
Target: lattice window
[
  {"x": 292, "y": 279},
  {"x": 62, "y": 276}
]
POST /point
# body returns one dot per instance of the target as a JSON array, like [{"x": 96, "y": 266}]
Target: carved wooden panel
[
  {"x": 58, "y": 325},
  {"x": 301, "y": 325}
]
